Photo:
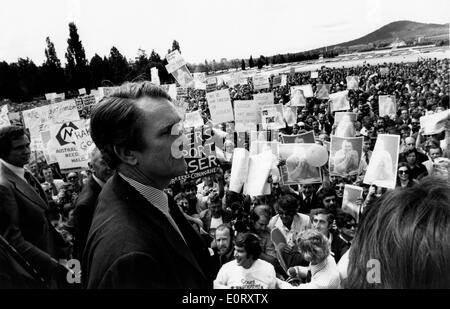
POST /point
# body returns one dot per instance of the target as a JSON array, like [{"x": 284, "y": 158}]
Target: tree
[
  {"x": 243, "y": 65},
  {"x": 261, "y": 61},
  {"x": 99, "y": 69},
  {"x": 51, "y": 70},
  {"x": 176, "y": 45},
  {"x": 250, "y": 62},
  {"x": 118, "y": 65},
  {"x": 78, "y": 73}
]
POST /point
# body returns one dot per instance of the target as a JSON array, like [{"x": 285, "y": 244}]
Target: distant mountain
[{"x": 403, "y": 30}]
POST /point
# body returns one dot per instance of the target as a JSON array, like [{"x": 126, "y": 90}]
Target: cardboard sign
[
  {"x": 434, "y": 123},
  {"x": 245, "y": 116},
  {"x": 175, "y": 61},
  {"x": 184, "y": 77},
  {"x": 339, "y": 101},
  {"x": 272, "y": 117},
  {"x": 4, "y": 120},
  {"x": 345, "y": 155},
  {"x": 352, "y": 82},
  {"x": 171, "y": 89},
  {"x": 323, "y": 91},
  {"x": 211, "y": 84},
  {"x": 276, "y": 81},
  {"x": 307, "y": 90},
  {"x": 219, "y": 103},
  {"x": 193, "y": 119},
  {"x": 297, "y": 97},
  {"x": 260, "y": 81},
  {"x": 155, "y": 76},
  {"x": 387, "y": 105},
  {"x": 82, "y": 91},
  {"x": 307, "y": 137}
]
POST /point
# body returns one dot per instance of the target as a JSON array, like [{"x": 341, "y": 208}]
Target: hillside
[{"x": 403, "y": 30}]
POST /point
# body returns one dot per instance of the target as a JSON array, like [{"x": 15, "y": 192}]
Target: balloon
[{"x": 317, "y": 155}]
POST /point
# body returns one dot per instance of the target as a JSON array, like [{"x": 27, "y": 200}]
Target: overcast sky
[{"x": 205, "y": 29}]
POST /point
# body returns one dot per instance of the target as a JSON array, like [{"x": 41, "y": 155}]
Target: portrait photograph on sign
[
  {"x": 345, "y": 155},
  {"x": 307, "y": 137},
  {"x": 294, "y": 165}
]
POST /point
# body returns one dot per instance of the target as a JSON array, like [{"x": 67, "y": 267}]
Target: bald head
[{"x": 410, "y": 143}]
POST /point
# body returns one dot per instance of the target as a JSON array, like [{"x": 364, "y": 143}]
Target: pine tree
[
  {"x": 250, "y": 62},
  {"x": 243, "y": 65},
  {"x": 52, "y": 73},
  {"x": 176, "y": 45},
  {"x": 78, "y": 73},
  {"x": 118, "y": 65}
]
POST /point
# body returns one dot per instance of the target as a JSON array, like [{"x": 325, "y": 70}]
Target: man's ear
[{"x": 125, "y": 155}]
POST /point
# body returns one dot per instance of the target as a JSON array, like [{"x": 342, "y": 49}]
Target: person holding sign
[{"x": 139, "y": 238}]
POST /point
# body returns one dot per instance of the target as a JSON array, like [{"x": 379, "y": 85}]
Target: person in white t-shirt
[{"x": 246, "y": 271}]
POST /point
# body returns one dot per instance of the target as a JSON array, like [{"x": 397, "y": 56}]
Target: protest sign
[
  {"x": 106, "y": 91},
  {"x": 175, "y": 61},
  {"x": 382, "y": 169},
  {"x": 307, "y": 90},
  {"x": 4, "y": 120},
  {"x": 82, "y": 91},
  {"x": 323, "y": 91},
  {"x": 193, "y": 119},
  {"x": 434, "y": 123},
  {"x": 51, "y": 96},
  {"x": 387, "y": 105},
  {"x": 352, "y": 82},
  {"x": 295, "y": 168},
  {"x": 184, "y": 77},
  {"x": 245, "y": 115},
  {"x": 239, "y": 169},
  {"x": 272, "y": 117},
  {"x": 339, "y": 101},
  {"x": 16, "y": 119},
  {"x": 89, "y": 100},
  {"x": 297, "y": 97},
  {"x": 182, "y": 92},
  {"x": 290, "y": 114},
  {"x": 155, "y": 76},
  {"x": 219, "y": 104},
  {"x": 262, "y": 99},
  {"x": 345, "y": 155},
  {"x": 201, "y": 77},
  {"x": 259, "y": 167},
  {"x": 199, "y": 85},
  {"x": 260, "y": 81},
  {"x": 199, "y": 152},
  {"x": 307, "y": 137},
  {"x": 62, "y": 142},
  {"x": 171, "y": 89},
  {"x": 339, "y": 115},
  {"x": 276, "y": 81},
  {"x": 211, "y": 84},
  {"x": 283, "y": 80},
  {"x": 314, "y": 74},
  {"x": 40, "y": 118},
  {"x": 79, "y": 103},
  {"x": 350, "y": 198},
  {"x": 345, "y": 126},
  {"x": 83, "y": 140}
]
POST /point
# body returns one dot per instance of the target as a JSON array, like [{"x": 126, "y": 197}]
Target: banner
[
  {"x": 155, "y": 76},
  {"x": 352, "y": 82},
  {"x": 260, "y": 81},
  {"x": 323, "y": 91},
  {"x": 193, "y": 119},
  {"x": 387, "y": 105},
  {"x": 219, "y": 103},
  {"x": 339, "y": 101},
  {"x": 4, "y": 120},
  {"x": 245, "y": 116},
  {"x": 307, "y": 90}
]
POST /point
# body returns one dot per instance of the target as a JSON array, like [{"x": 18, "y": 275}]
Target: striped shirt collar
[{"x": 155, "y": 196}]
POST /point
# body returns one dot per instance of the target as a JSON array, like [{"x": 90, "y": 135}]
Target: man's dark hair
[
  {"x": 7, "y": 135},
  {"x": 343, "y": 218},
  {"x": 322, "y": 211},
  {"x": 325, "y": 193},
  {"x": 117, "y": 120},
  {"x": 250, "y": 243},
  {"x": 287, "y": 202}
]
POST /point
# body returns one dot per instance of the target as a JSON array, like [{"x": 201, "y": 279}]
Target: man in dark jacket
[{"x": 139, "y": 238}]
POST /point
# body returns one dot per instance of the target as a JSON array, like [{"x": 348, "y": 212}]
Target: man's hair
[
  {"x": 314, "y": 243},
  {"x": 287, "y": 202},
  {"x": 322, "y": 211},
  {"x": 223, "y": 227},
  {"x": 342, "y": 218},
  {"x": 408, "y": 232},
  {"x": 325, "y": 192},
  {"x": 7, "y": 135},
  {"x": 117, "y": 120},
  {"x": 434, "y": 146},
  {"x": 250, "y": 243}
]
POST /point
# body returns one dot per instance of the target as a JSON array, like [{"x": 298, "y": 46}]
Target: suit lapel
[
  {"x": 158, "y": 219},
  {"x": 24, "y": 188}
]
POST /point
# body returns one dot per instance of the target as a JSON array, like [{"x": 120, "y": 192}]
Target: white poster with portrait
[
  {"x": 4, "y": 120},
  {"x": 294, "y": 167},
  {"x": 382, "y": 169},
  {"x": 345, "y": 155},
  {"x": 352, "y": 82},
  {"x": 387, "y": 105},
  {"x": 339, "y": 101},
  {"x": 307, "y": 90}
]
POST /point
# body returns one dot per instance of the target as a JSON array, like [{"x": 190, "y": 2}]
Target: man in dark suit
[
  {"x": 86, "y": 201},
  {"x": 24, "y": 208},
  {"x": 307, "y": 199},
  {"x": 139, "y": 238}
]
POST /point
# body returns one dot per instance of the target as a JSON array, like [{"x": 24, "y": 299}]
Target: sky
[{"x": 205, "y": 29}]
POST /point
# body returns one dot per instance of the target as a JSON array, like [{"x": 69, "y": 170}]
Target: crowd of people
[{"x": 129, "y": 226}]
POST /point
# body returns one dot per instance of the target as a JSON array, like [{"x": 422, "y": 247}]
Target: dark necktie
[{"x": 366, "y": 155}]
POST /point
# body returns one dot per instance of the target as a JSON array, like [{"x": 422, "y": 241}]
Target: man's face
[
  {"x": 340, "y": 189},
  {"x": 287, "y": 216},
  {"x": 183, "y": 204},
  {"x": 415, "y": 124},
  {"x": 435, "y": 153},
  {"x": 349, "y": 229},
  {"x": 347, "y": 147},
  {"x": 48, "y": 175},
  {"x": 242, "y": 257},
  {"x": 216, "y": 209},
  {"x": 19, "y": 155},
  {"x": 261, "y": 224},
  {"x": 101, "y": 169},
  {"x": 366, "y": 146},
  {"x": 320, "y": 223},
  {"x": 410, "y": 143},
  {"x": 191, "y": 193},
  {"x": 404, "y": 114},
  {"x": 329, "y": 202},
  {"x": 156, "y": 161},
  {"x": 223, "y": 241},
  {"x": 308, "y": 190},
  {"x": 321, "y": 118}
]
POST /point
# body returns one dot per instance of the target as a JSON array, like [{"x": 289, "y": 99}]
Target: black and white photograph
[
  {"x": 295, "y": 167},
  {"x": 345, "y": 155},
  {"x": 327, "y": 122},
  {"x": 382, "y": 169}
]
